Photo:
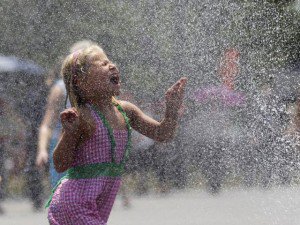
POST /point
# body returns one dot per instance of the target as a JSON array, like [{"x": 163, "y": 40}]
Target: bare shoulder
[
  {"x": 129, "y": 108},
  {"x": 57, "y": 91},
  {"x": 86, "y": 121},
  {"x": 56, "y": 96},
  {"x": 85, "y": 115}
]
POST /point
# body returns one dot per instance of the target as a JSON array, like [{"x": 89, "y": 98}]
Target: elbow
[
  {"x": 166, "y": 137},
  {"x": 60, "y": 169},
  {"x": 166, "y": 134},
  {"x": 60, "y": 165}
]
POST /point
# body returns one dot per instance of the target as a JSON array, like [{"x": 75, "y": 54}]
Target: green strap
[
  {"x": 111, "y": 135},
  {"x": 128, "y": 144},
  {"x": 110, "y": 132},
  {"x": 100, "y": 169}
]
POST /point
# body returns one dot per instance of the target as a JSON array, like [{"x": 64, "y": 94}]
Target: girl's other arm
[{"x": 164, "y": 130}]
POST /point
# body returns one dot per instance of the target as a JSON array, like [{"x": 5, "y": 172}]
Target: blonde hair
[
  {"x": 77, "y": 65},
  {"x": 81, "y": 45}
]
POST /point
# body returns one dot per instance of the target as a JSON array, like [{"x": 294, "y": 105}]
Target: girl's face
[{"x": 103, "y": 77}]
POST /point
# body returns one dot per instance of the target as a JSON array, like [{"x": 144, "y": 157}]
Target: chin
[{"x": 117, "y": 92}]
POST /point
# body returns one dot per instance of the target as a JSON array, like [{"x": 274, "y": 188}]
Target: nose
[{"x": 112, "y": 66}]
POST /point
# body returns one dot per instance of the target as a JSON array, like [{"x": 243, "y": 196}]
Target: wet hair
[
  {"x": 76, "y": 65},
  {"x": 81, "y": 45}
]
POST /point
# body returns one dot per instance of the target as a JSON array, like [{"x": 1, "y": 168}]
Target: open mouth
[{"x": 115, "y": 79}]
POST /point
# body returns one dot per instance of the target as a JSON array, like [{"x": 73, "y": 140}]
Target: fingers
[
  {"x": 177, "y": 90},
  {"x": 180, "y": 84},
  {"x": 183, "y": 82},
  {"x": 70, "y": 120},
  {"x": 41, "y": 161},
  {"x": 38, "y": 163},
  {"x": 69, "y": 115},
  {"x": 179, "y": 87}
]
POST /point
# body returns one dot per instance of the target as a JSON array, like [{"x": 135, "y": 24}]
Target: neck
[{"x": 103, "y": 104}]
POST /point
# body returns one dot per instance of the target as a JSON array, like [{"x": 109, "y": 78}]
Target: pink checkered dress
[{"x": 89, "y": 201}]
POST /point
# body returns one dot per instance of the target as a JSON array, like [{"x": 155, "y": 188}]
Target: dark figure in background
[
  {"x": 270, "y": 143},
  {"x": 169, "y": 158},
  {"x": 165, "y": 160},
  {"x": 291, "y": 164},
  {"x": 289, "y": 141},
  {"x": 213, "y": 137},
  {"x": 297, "y": 113},
  {"x": 3, "y": 172},
  {"x": 12, "y": 154},
  {"x": 34, "y": 112},
  {"x": 141, "y": 159},
  {"x": 169, "y": 168},
  {"x": 24, "y": 87}
]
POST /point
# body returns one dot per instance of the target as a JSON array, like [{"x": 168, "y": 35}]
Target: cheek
[
  {"x": 100, "y": 85},
  {"x": 117, "y": 93},
  {"x": 99, "y": 76},
  {"x": 100, "y": 82}
]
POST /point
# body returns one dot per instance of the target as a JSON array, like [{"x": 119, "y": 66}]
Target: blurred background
[{"x": 238, "y": 128}]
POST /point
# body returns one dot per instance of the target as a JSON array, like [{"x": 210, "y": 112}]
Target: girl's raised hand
[
  {"x": 70, "y": 120},
  {"x": 174, "y": 95}
]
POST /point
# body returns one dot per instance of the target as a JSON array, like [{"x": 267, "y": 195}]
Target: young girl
[{"x": 96, "y": 137}]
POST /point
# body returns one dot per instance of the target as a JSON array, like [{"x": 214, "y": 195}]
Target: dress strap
[
  {"x": 110, "y": 132},
  {"x": 129, "y": 129},
  {"x": 111, "y": 135}
]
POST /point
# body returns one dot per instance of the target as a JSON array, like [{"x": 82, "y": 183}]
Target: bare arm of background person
[{"x": 54, "y": 102}]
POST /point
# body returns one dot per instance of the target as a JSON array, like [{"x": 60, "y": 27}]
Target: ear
[
  {"x": 76, "y": 83},
  {"x": 75, "y": 80}
]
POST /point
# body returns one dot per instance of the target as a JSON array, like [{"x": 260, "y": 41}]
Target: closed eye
[{"x": 104, "y": 63}]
